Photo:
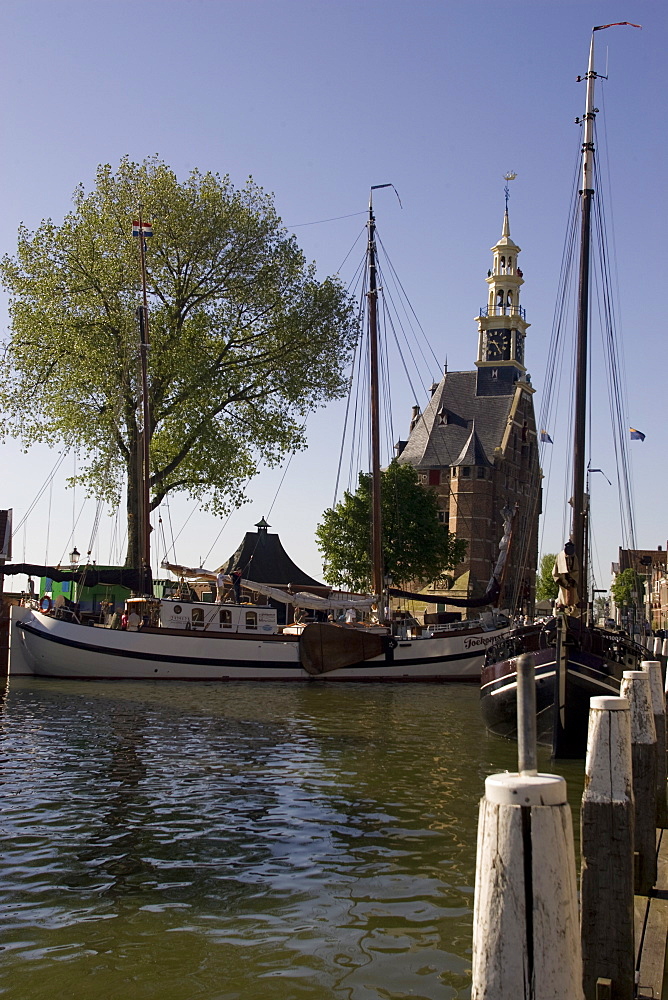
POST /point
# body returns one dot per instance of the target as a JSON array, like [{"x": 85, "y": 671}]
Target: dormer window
[{"x": 442, "y": 416}]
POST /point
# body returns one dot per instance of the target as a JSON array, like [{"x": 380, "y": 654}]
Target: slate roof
[
  {"x": 473, "y": 453},
  {"x": 475, "y": 425}
]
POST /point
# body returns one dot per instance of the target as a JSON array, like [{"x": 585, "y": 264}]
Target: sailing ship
[
  {"x": 574, "y": 659},
  {"x": 191, "y": 640}
]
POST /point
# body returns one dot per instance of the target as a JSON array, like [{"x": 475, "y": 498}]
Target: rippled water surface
[{"x": 233, "y": 841}]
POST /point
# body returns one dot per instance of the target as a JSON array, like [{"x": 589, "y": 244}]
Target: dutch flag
[{"x": 146, "y": 228}]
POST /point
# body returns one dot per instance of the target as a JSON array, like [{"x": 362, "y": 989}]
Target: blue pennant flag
[
  {"x": 544, "y": 436},
  {"x": 636, "y": 435}
]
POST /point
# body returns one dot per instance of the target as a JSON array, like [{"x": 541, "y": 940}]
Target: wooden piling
[
  {"x": 606, "y": 835},
  {"x": 653, "y": 668},
  {"x": 635, "y": 687},
  {"x": 658, "y": 645},
  {"x": 664, "y": 649},
  {"x": 527, "y": 758},
  {"x": 525, "y": 920}
]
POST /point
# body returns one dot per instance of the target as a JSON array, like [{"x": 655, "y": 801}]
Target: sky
[{"x": 318, "y": 100}]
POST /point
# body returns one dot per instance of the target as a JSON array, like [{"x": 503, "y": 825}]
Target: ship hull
[
  {"x": 49, "y": 647},
  {"x": 588, "y": 675}
]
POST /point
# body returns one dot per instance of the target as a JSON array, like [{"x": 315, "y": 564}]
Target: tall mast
[
  {"x": 580, "y": 415},
  {"x": 376, "y": 515},
  {"x": 144, "y": 445}
]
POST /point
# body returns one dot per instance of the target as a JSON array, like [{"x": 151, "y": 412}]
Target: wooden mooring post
[
  {"x": 606, "y": 836},
  {"x": 525, "y": 919},
  {"x": 653, "y": 668},
  {"x": 635, "y": 687}
]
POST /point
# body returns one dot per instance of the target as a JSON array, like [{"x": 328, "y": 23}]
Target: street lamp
[{"x": 74, "y": 558}]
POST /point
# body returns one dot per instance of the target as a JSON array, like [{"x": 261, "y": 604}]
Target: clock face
[{"x": 498, "y": 345}]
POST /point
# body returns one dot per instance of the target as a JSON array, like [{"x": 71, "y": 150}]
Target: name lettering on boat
[{"x": 478, "y": 641}]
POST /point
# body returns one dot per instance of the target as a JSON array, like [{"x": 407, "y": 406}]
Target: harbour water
[{"x": 241, "y": 842}]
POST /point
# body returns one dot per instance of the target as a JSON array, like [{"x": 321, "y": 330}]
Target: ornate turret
[{"x": 501, "y": 323}]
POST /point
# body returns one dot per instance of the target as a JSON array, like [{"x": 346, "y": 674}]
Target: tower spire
[
  {"x": 510, "y": 176},
  {"x": 502, "y": 323}
]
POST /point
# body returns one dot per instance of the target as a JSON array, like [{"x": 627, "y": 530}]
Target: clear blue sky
[{"x": 319, "y": 100}]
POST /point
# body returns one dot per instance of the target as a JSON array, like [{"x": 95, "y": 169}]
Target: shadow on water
[{"x": 241, "y": 841}]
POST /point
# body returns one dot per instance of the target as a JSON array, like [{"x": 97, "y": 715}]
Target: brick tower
[{"x": 476, "y": 445}]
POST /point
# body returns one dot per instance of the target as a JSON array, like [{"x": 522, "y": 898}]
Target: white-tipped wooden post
[
  {"x": 664, "y": 650},
  {"x": 525, "y": 916},
  {"x": 637, "y": 638},
  {"x": 658, "y": 645},
  {"x": 653, "y": 668},
  {"x": 606, "y": 834},
  {"x": 635, "y": 687}
]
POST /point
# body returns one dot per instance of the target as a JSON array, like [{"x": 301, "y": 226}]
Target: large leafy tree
[
  {"x": 244, "y": 339},
  {"x": 416, "y": 546},
  {"x": 547, "y": 588}
]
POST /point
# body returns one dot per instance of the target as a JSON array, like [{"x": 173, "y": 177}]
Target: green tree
[
  {"x": 547, "y": 588},
  {"x": 244, "y": 339},
  {"x": 627, "y": 589},
  {"x": 416, "y": 546}
]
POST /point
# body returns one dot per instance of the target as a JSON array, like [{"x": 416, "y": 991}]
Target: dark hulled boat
[
  {"x": 578, "y": 660},
  {"x": 574, "y": 660}
]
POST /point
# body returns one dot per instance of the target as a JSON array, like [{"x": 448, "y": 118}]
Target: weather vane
[{"x": 510, "y": 176}]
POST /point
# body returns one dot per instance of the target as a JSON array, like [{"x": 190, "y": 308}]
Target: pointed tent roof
[{"x": 261, "y": 557}]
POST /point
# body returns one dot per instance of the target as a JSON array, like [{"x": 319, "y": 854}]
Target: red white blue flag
[{"x": 146, "y": 228}]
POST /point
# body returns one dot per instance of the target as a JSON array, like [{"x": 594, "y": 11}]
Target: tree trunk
[{"x": 133, "y": 555}]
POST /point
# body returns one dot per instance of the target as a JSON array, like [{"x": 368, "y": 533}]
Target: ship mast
[
  {"x": 580, "y": 415},
  {"x": 376, "y": 514},
  {"x": 586, "y": 193},
  {"x": 143, "y": 458}
]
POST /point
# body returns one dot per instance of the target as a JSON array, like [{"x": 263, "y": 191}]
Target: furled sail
[{"x": 89, "y": 576}]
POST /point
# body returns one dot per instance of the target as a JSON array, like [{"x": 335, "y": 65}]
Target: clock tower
[{"x": 501, "y": 323}]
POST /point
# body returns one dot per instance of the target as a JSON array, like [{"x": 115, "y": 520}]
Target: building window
[
  {"x": 442, "y": 516},
  {"x": 466, "y": 472},
  {"x": 434, "y": 477},
  {"x": 481, "y": 472}
]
